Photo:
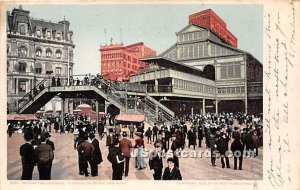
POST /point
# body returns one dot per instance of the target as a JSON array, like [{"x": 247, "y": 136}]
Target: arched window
[
  {"x": 48, "y": 53},
  {"x": 22, "y": 52},
  {"x": 22, "y": 29},
  {"x": 58, "y": 54},
  {"x": 38, "y": 52}
]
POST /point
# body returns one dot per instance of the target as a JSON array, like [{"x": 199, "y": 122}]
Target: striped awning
[
  {"x": 21, "y": 117},
  {"x": 130, "y": 117}
]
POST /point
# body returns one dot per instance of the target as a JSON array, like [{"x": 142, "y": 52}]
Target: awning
[
  {"x": 21, "y": 117},
  {"x": 37, "y": 65},
  {"x": 49, "y": 67},
  {"x": 84, "y": 106},
  {"x": 130, "y": 117}
]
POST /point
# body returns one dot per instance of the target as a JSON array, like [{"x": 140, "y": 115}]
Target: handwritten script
[{"x": 279, "y": 35}]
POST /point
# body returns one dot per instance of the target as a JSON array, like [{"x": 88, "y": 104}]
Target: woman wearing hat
[{"x": 139, "y": 145}]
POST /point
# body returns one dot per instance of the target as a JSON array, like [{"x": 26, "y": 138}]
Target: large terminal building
[{"x": 204, "y": 71}]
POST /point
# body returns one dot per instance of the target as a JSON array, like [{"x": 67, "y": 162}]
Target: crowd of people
[{"x": 239, "y": 134}]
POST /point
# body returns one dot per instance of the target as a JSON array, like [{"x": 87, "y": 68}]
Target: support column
[
  {"x": 17, "y": 86},
  {"x": 62, "y": 128},
  {"x": 97, "y": 115},
  {"x": 246, "y": 105},
  {"x": 203, "y": 107},
  {"x": 105, "y": 107},
  {"x": 155, "y": 85},
  {"x": 216, "y": 103},
  {"x": 192, "y": 111}
]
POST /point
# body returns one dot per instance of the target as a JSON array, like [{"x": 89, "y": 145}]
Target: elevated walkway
[{"x": 100, "y": 90}]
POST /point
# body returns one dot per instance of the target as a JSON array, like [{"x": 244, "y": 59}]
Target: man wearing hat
[
  {"x": 28, "y": 158},
  {"x": 116, "y": 158},
  {"x": 44, "y": 156},
  {"x": 171, "y": 172},
  {"x": 48, "y": 141},
  {"x": 125, "y": 146},
  {"x": 87, "y": 150},
  {"x": 97, "y": 155},
  {"x": 176, "y": 148},
  {"x": 155, "y": 162}
]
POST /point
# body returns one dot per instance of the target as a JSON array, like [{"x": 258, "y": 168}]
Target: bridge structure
[{"x": 123, "y": 96}]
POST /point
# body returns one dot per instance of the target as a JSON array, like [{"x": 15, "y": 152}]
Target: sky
[{"x": 155, "y": 25}]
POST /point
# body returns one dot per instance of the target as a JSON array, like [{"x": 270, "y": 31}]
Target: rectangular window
[
  {"x": 181, "y": 53},
  {"x": 58, "y": 70},
  {"x": 204, "y": 34},
  {"x": 205, "y": 50},
  {"x": 196, "y": 51},
  {"x": 191, "y": 36},
  {"x": 232, "y": 90},
  {"x": 22, "y": 86},
  {"x": 237, "y": 71},
  {"x": 185, "y": 37},
  {"x": 22, "y": 67},
  {"x": 238, "y": 89},
  {"x": 223, "y": 72},
  {"x": 230, "y": 71},
  {"x": 180, "y": 38},
  {"x": 38, "y": 70},
  {"x": 218, "y": 50},
  {"x": 243, "y": 89},
  {"x": 201, "y": 50},
  {"x": 224, "y": 90},
  {"x": 213, "y": 50},
  {"x": 191, "y": 49},
  {"x": 185, "y": 52}
]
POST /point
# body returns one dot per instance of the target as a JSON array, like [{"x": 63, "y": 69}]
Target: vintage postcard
[{"x": 117, "y": 94}]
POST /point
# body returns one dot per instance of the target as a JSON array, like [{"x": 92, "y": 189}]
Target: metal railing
[
  {"x": 37, "y": 89},
  {"x": 152, "y": 110}
]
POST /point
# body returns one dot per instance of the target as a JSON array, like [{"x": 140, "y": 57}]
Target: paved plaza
[{"x": 65, "y": 164}]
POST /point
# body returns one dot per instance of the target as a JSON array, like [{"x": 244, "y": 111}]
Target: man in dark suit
[
  {"x": 78, "y": 140},
  {"x": 155, "y": 162},
  {"x": 125, "y": 146},
  {"x": 44, "y": 156},
  {"x": 237, "y": 149},
  {"x": 87, "y": 149},
  {"x": 97, "y": 155},
  {"x": 155, "y": 130},
  {"x": 171, "y": 172},
  {"x": 131, "y": 129},
  {"x": 223, "y": 149},
  {"x": 116, "y": 158},
  {"x": 28, "y": 158}
]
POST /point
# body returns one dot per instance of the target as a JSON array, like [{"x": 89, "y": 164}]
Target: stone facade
[{"x": 36, "y": 49}]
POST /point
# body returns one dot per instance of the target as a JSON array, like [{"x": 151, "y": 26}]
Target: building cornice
[
  {"x": 40, "y": 59},
  {"x": 36, "y": 39}
]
